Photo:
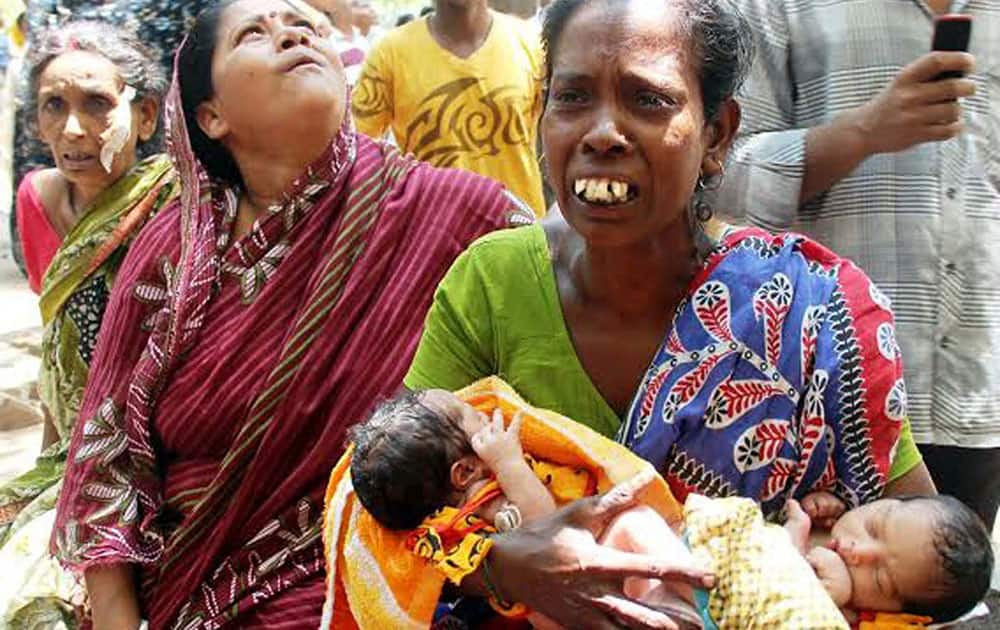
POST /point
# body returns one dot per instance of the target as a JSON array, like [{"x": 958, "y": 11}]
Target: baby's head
[
  {"x": 413, "y": 456},
  {"x": 923, "y": 555}
]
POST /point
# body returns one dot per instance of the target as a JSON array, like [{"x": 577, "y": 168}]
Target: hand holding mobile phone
[{"x": 951, "y": 33}]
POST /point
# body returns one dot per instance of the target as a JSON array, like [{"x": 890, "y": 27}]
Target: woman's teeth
[{"x": 603, "y": 191}]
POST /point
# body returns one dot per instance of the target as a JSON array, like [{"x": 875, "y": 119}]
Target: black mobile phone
[{"x": 952, "y": 33}]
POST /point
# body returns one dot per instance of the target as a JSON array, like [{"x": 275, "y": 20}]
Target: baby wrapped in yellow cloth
[{"x": 387, "y": 564}]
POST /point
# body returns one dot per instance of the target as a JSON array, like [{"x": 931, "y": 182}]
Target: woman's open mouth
[
  {"x": 603, "y": 191},
  {"x": 302, "y": 61},
  {"x": 76, "y": 159}
]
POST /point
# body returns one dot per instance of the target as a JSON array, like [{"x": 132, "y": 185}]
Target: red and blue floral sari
[{"x": 780, "y": 376}]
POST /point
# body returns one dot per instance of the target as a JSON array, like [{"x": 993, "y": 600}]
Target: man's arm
[
  {"x": 911, "y": 110},
  {"x": 777, "y": 164}
]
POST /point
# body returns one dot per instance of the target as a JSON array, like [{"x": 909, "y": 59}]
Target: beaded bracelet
[
  {"x": 491, "y": 590},
  {"x": 501, "y": 605}
]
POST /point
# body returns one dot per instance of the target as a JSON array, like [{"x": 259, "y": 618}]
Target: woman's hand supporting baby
[
  {"x": 500, "y": 449},
  {"x": 556, "y": 566}
]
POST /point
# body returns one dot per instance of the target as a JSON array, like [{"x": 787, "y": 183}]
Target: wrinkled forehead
[
  {"x": 247, "y": 10},
  {"x": 653, "y": 34},
  {"x": 81, "y": 70}
]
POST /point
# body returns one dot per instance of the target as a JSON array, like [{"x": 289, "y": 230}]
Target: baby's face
[
  {"x": 464, "y": 416},
  {"x": 888, "y": 547},
  {"x": 461, "y": 413}
]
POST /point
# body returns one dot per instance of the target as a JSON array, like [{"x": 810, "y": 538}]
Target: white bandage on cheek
[{"x": 113, "y": 138}]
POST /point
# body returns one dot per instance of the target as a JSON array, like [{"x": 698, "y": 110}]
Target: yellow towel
[{"x": 375, "y": 582}]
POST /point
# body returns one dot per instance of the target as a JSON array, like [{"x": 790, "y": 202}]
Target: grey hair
[
  {"x": 137, "y": 63},
  {"x": 723, "y": 44}
]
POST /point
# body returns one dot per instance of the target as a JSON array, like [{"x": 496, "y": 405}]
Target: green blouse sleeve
[
  {"x": 907, "y": 455},
  {"x": 457, "y": 344}
]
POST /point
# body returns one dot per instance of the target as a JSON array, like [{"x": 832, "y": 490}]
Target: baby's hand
[
  {"x": 797, "y": 525},
  {"x": 823, "y": 508},
  {"x": 496, "y": 445},
  {"x": 832, "y": 573}
]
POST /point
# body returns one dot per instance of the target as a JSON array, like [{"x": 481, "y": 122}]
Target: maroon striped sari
[{"x": 225, "y": 376}]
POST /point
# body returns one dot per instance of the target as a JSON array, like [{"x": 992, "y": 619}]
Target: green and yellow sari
[{"x": 75, "y": 293}]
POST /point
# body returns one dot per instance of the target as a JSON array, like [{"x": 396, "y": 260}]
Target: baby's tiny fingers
[{"x": 515, "y": 423}]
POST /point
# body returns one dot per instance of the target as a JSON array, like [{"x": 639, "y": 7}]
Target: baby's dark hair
[
  {"x": 403, "y": 453},
  {"x": 965, "y": 553}
]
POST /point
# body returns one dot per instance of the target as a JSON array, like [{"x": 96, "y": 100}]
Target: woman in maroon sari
[{"x": 251, "y": 324}]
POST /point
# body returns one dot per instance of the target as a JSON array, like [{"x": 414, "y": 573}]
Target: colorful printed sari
[
  {"x": 74, "y": 297},
  {"x": 220, "y": 399},
  {"x": 779, "y": 376}
]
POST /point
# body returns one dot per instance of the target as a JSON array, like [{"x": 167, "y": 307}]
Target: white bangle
[
  {"x": 508, "y": 518},
  {"x": 143, "y": 625}
]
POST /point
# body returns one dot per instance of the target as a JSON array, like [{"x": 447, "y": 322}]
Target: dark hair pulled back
[
  {"x": 194, "y": 68},
  {"x": 719, "y": 37}
]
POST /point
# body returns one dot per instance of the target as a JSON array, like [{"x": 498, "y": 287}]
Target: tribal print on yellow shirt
[
  {"x": 456, "y": 119},
  {"x": 479, "y": 113}
]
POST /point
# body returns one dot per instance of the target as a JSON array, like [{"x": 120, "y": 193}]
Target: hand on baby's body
[
  {"x": 496, "y": 445},
  {"x": 829, "y": 567},
  {"x": 823, "y": 508},
  {"x": 556, "y": 566}
]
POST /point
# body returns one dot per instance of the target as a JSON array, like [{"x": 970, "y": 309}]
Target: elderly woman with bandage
[{"x": 93, "y": 98}]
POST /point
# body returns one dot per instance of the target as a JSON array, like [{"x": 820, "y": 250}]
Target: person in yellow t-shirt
[{"x": 460, "y": 88}]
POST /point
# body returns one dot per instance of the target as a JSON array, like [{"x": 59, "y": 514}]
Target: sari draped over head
[
  {"x": 221, "y": 394},
  {"x": 780, "y": 376},
  {"x": 74, "y": 297}
]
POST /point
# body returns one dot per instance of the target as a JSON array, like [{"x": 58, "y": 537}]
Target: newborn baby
[{"x": 927, "y": 556}]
